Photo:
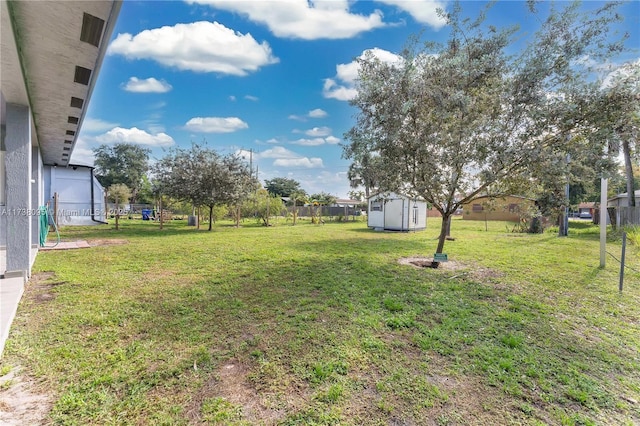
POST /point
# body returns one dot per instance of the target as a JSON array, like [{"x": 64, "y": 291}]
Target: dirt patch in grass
[
  {"x": 107, "y": 242},
  {"x": 476, "y": 271},
  {"x": 22, "y": 402},
  {"x": 231, "y": 382},
  {"x": 40, "y": 286}
]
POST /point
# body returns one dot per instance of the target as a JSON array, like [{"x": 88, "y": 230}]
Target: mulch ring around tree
[{"x": 463, "y": 268}]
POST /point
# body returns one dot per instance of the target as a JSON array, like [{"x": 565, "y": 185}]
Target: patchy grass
[{"x": 321, "y": 325}]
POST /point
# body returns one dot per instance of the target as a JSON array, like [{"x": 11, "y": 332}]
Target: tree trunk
[
  {"x": 161, "y": 213},
  {"x": 210, "y": 217},
  {"x": 295, "y": 214},
  {"x": 117, "y": 214},
  {"x": 445, "y": 229},
  {"x": 628, "y": 168}
]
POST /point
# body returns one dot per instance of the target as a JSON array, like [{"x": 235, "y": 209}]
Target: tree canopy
[
  {"x": 451, "y": 122},
  {"x": 203, "y": 177},
  {"x": 282, "y": 187},
  {"x": 122, "y": 163}
]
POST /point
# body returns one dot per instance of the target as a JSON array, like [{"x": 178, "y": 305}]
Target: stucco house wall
[{"x": 508, "y": 208}]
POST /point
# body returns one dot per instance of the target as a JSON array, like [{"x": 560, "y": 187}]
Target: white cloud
[
  {"x": 199, "y": 46},
  {"x": 278, "y": 152},
  {"x": 333, "y": 90},
  {"x": 342, "y": 86},
  {"x": 148, "y": 85},
  {"x": 335, "y": 183},
  {"x": 305, "y": 162},
  {"x": 136, "y": 136},
  {"x": 423, "y": 11},
  {"x": 215, "y": 124},
  {"x": 95, "y": 125},
  {"x": 317, "y": 113},
  {"x": 318, "y": 132},
  {"x": 232, "y": 98},
  {"x": 251, "y": 98},
  {"x": 309, "y": 142},
  {"x": 329, "y": 140},
  {"x": 308, "y": 20},
  {"x": 332, "y": 140},
  {"x": 82, "y": 154},
  {"x": 283, "y": 157},
  {"x": 314, "y": 113}
]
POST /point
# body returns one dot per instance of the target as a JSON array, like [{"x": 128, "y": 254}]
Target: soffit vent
[
  {"x": 65, "y": 155},
  {"x": 72, "y": 120},
  {"x": 66, "y": 148},
  {"x": 91, "y": 29},
  {"x": 77, "y": 102},
  {"x": 68, "y": 142},
  {"x": 71, "y": 132},
  {"x": 83, "y": 75}
]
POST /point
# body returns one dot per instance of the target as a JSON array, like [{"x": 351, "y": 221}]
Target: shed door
[{"x": 393, "y": 215}]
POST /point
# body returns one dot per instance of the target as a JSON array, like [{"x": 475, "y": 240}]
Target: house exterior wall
[
  {"x": 508, "y": 208},
  {"x": 18, "y": 202}
]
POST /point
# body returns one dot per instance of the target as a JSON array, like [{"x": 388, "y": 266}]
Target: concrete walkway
[
  {"x": 65, "y": 245},
  {"x": 11, "y": 290}
]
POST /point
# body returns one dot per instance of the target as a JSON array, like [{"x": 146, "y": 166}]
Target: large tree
[
  {"x": 617, "y": 116},
  {"x": 122, "y": 163},
  {"x": 470, "y": 117},
  {"x": 282, "y": 187}
]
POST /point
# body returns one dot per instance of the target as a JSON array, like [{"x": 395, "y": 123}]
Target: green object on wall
[{"x": 44, "y": 224}]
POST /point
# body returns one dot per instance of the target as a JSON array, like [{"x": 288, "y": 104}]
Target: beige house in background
[{"x": 508, "y": 208}]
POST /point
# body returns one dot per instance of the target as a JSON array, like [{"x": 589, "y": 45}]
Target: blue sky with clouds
[{"x": 274, "y": 77}]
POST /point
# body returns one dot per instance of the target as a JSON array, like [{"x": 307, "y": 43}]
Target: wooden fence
[{"x": 628, "y": 216}]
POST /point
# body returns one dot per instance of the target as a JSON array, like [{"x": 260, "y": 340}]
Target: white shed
[
  {"x": 81, "y": 198},
  {"x": 395, "y": 212}
]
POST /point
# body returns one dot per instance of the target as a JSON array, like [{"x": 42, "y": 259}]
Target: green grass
[{"x": 321, "y": 325}]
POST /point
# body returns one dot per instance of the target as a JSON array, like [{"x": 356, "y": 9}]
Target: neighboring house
[
  {"x": 74, "y": 195},
  {"x": 586, "y": 210},
  {"x": 50, "y": 56},
  {"x": 621, "y": 200},
  {"x": 395, "y": 212},
  {"x": 508, "y": 208}
]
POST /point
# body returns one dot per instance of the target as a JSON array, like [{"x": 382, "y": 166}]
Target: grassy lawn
[{"x": 321, "y": 325}]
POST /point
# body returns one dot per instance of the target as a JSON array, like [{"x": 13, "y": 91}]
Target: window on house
[
  {"x": 476, "y": 208},
  {"x": 514, "y": 208},
  {"x": 376, "y": 206}
]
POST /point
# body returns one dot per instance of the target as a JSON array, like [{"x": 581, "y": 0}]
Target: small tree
[
  {"x": 266, "y": 205},
  {"x": 298, "y": 197},
  {"x": 204, "y": 178},
  {"x": 117, "y": 193},
  {"x": 318, "y": 200}
]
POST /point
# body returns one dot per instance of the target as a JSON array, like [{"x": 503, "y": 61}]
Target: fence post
[{"x": 624, "y": 249}]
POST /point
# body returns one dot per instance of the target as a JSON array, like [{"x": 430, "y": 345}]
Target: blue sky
[{"x": 273, "y": 77}]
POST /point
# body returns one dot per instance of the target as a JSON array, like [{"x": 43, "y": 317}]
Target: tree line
[{"x": 200, "y": 177}]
